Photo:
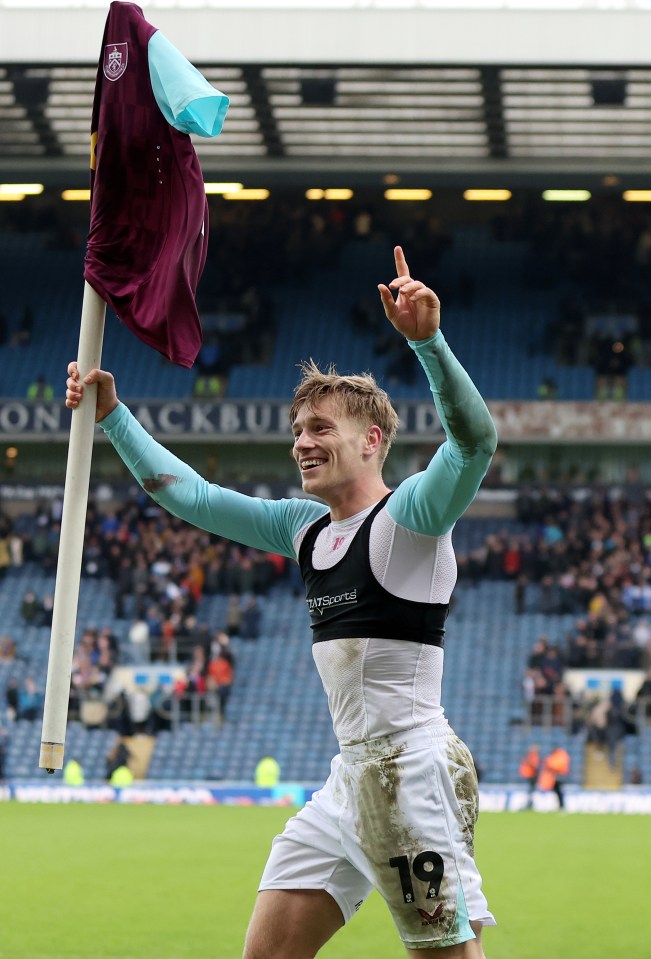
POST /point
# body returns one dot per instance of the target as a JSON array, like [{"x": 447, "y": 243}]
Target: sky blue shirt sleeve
[
  {"x": 269, "y": 525},
  {"x": 185, "y": 98},
  {"x": 432, "y": 501}
]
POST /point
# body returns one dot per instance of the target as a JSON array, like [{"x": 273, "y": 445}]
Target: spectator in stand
[
  {"x": 520, "y": 595},
  {"x": 7, "y": 649},
  {"x": 160, "y": 717},
  {"x": 221, "y": 669},
  {"x": 511, "y": 559},
  {"x": 194, "y": 681},
  {"x": 30, "y": 700},
  {"x": 119, "y": 755},
  {"x": 31, "y": 609},
  {"x": 615, "y": 725},
  {"x": 154, "y": 620},
  {"x": 538, "y": 654},
  {"x": 242, "y": 572},
  {"x": 88, "y": 679},
  {"x": 643, "y": 696},
  {"x": 119, "y": 716},
  {"x": 268, "y": 568},
  {"x": 23, "y": 335},
  {"x": 195, "y": 578},
  {"x": 529, "y": 689},
  {"x": 123, "y": 586},
  {"x": 114, "y": 644},
  {"x": 103, "y": 659},
  {"x": 549, "y": 596},
  {"x": 563, "y": 706},
  {"x": 547, "y": 389},
  {"x": 16, "y": 550},
  {"x": 234, "y": 615},
  {"x": 642, "y": 639},
  {"x": 215, "y": 577},
  {"x": 140, "y": 584},
  {"x": 251, "y": 617},
  {"x": 577, "y": 651},
  {"x": 11, "y": 699},
  {"x": 552, "y": 668},
  {"x": 4, "y": 739},
  {"x": 5, "y": 552},
  {"x": 47, "y": 610},
  {"x": 139, "y": 709},
  {"x": 494, "y": 562},
  {"x": 139, "y": 647}
]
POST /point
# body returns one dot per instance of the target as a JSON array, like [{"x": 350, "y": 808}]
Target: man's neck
[{"x": 354, "y": 501}]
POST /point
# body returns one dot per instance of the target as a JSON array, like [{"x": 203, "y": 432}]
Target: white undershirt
[{"x": 381, "y": 686}]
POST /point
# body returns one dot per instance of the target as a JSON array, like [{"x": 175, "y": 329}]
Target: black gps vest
[{"x": 347, "y": 600}]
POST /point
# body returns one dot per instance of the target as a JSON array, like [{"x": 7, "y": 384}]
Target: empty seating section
[
  {"x": 498, "y": 331},
  {"x": 50, "y": 283}
]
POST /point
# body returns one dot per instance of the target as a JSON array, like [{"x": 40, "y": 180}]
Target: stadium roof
[{"x": 497, "y": 95}]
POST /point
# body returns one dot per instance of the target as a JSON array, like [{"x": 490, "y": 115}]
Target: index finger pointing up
[{"x": 401, "y": 264}]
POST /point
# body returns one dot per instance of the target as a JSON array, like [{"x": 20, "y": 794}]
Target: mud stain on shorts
[
  {"x": 381, "y": 829},
  {"x": 153, "y": 484},
  {"x": 384, "y": 833},
  {"x": 464, "y": 779}
]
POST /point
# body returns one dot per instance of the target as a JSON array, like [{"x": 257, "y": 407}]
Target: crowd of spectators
[
  {"x": 598, "y": 256},
  {"x": 603, "y": 248},
  {"x": 161, "y": 570},
  {"x": 586, "y": 555},
  {"x": 160, "y": 567}
]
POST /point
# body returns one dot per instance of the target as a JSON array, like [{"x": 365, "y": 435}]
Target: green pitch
[{"x": 144, "y": 882}]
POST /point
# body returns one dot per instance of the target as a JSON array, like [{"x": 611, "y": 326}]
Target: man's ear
[{"x": 373, "y": 440}]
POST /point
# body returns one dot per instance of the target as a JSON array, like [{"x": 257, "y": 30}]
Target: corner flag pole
[{"x": 71, "y": 544}]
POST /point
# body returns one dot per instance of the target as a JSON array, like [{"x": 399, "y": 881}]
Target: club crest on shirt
[
  {"x": 116, "y": 56},
  {"x": 431, "y": 918}
]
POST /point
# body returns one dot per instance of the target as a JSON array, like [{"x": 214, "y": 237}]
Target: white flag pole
[{"x": 73, "y": 522}]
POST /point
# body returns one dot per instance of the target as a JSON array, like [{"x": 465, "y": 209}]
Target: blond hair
[{"x": 359, "y": 397}]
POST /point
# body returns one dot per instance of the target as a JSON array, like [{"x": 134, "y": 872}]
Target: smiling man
[{"x": 398, "y": 810}]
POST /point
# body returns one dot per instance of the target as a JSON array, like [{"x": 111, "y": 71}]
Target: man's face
[{"x": 330, "y": 449}]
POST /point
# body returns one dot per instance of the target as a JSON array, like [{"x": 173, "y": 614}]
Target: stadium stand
[
  {"x": 278, "y": 705},
  {"x": 503, "y": 299}
]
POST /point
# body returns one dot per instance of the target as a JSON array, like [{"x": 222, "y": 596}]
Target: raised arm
[
  {"x": 265, "y": 524},
  {"x": 432, "y": 501}
]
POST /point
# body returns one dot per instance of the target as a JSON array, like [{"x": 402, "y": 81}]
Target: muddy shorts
[{"x": 397, "y": 814}]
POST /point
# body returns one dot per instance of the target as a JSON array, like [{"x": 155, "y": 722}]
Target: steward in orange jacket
[
  {"x": 530, "y": 764},
  {"x": 556, "y": 765}
]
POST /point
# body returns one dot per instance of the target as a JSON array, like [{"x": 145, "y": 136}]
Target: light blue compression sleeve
[
  {"x": 429, "y": 502},
  {"x": 185, "y": 98},
  {"x": 265, "y": 524},
  {"x": 432, "y": 501}
]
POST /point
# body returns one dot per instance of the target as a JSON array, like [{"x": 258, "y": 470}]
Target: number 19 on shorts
[{"x": 427, "y": 866}]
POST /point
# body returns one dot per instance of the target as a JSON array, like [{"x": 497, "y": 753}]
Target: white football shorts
[{"x": 396, "y": 814}]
